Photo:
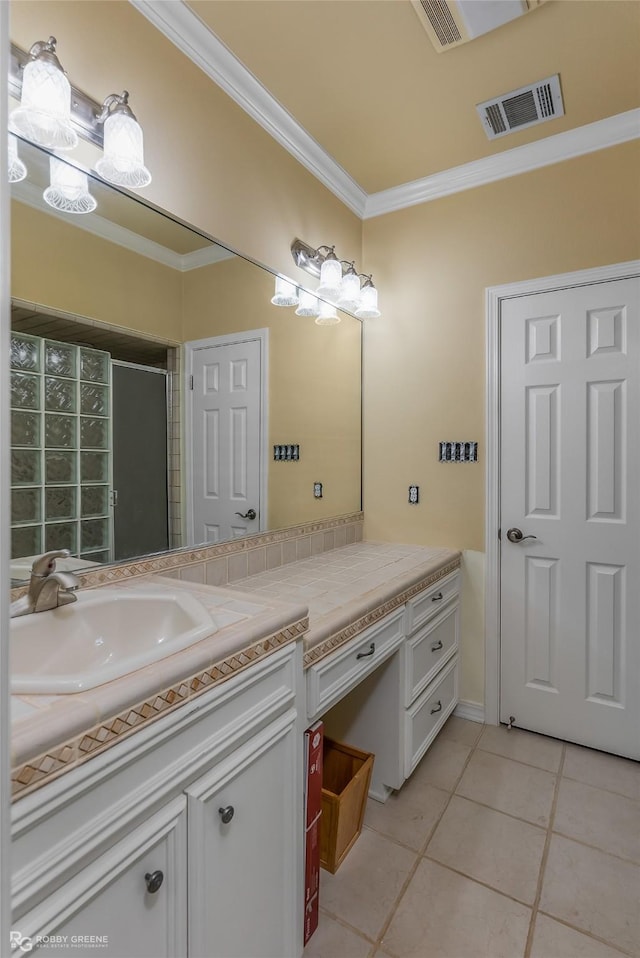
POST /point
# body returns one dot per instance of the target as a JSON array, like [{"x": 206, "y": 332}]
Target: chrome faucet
[{"x": 48, "y": 589}]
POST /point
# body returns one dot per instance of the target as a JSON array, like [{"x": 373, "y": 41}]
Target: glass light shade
[
  {"x": 16, "y": 168},
  {"x": 286, "y": 293},
  {"x": 350, "y": 291},
  {"x": 309, "y": 305},
  {"x": 44, "y": 114},
  {"x": 123, "y": 159},
  {"x": 328, "y": 315},
  {"x": 368, "y": 308},
  {"x": 69, "y": 189},
  {"x": 330, "y": 277}
]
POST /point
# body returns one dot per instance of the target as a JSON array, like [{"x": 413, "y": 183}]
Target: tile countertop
[
  {"x": 248, "y": 629},
  {"x": 342, "y": 591},
  {"x": 350, "y": 588}
]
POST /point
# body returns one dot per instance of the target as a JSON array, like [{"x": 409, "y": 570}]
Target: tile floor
[{"x": 501, "y": 845}]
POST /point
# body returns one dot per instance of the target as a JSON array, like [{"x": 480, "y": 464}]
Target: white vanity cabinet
[
  {"x": 133, "y": 845},
  {"x": 390, "y": 689}
]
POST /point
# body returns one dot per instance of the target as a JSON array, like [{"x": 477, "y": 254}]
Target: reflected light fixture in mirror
[
  {"x": 309, "y": 304},
  {"x": 17, "y": 171},
  {"x": 285, "y": 294},
  {"x": 69, "y": 189},
  {"x": 327, "y": 315}
]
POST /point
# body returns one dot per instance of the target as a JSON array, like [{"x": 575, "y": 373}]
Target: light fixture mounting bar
[{"x": 84, "y": 109}]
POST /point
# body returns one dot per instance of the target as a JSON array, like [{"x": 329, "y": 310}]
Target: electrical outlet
[
  {"x": 317, "y": 490},
  {"x": 414, "y": 495}
]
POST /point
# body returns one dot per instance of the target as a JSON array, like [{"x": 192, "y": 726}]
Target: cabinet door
[
  {"x": 243, "y": 824},
  {"x": 112, "y": 908}
]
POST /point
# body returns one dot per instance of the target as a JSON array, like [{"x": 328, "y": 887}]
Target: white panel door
[
  {"x": 570, "y": 439},
  {"x": 225, "y": 441}
]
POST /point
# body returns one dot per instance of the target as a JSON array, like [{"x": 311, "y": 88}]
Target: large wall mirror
[{"x": 152, "y": 379}]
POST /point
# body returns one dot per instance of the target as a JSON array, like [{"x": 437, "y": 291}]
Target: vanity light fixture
[
  {"x": 52, "y": 114},
  {"x": 44, "y": 114},
  {"x": 123, "y": 159},
  {"x": 69, "y": 189},
  {"x": 339, "y": 280},
  {"x": 16, "y": 169}
]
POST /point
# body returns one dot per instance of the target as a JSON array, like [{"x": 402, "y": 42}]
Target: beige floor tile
[
  {"x": 489, "y": 846},
  {"x": 365, "y": 887},
  {"x": 331, "y": 939},
  {"x": 408, "y": 815},
  {"x": 602, "y": 770},
  {"x": 608, "y": 821},
  {"x": 553, "y": 940},
  {"x": 461, "y": 730},
  {"x": 594, "y": 891},
  {"x": 522, "y": 746},
  {"x": 509, "y": 786},
  {"x": 443, "y": 915},
  {"x": 442, "y": 764}
]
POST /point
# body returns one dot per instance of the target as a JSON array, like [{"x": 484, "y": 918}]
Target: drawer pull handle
[
  {"x": 154, "y": 881},
  {"x": 226, "y": 814},
  {"x": 365, "y": 655},
  {"x": 436, "y": 647},
  {"x": 437, "y": 597},
  {"x": 438, "y": 708}
]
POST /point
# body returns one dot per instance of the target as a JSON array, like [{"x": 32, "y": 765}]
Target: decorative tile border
[
  {"x": 173, "y": 561},
  {"x": 325, "y": 647},
  {"x": 55, "y": 762}
]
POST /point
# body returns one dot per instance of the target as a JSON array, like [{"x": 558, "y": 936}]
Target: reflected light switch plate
[
  {"x": 317, "y": 490},
  {"x": 414, "y": 495}
]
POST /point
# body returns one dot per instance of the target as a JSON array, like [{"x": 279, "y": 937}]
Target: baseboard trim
[{"x": 472, "y": 711}]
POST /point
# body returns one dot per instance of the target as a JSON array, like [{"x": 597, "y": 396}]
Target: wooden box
[{"x": 345, "y": 785}]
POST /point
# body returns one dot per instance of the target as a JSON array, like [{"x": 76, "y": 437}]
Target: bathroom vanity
[{"x": 162, "y": 813}]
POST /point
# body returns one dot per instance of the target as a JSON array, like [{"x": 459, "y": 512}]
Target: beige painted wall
[
  {"x": 212, "y": 165},
  {"x": 55, "y": 264},
  {"x": 424, "y": 361},
  {"x": 314, "y": 387}
]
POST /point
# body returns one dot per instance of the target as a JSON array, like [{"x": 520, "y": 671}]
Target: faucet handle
[{"x": 45, "y": 564}]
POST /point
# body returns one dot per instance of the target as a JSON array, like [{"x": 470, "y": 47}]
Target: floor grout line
[
  {"x": 545, "y": 855},
  {"x": 510, "y": 758},
  {"x": 587, "y": 934},
  {"x": 421, "y": 853}
]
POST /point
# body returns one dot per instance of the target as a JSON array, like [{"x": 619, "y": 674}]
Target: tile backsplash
[{"x": 225, "y": 563}]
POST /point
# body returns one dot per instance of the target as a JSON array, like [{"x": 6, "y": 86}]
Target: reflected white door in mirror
[{"x": 226, "y": 389}]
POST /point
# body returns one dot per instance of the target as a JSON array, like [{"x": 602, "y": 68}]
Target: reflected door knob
[
  {"x": 154, "y": 881},
  {"x": 515, "y": 535},
  {"x": 249, "y": 514},
  {"x": 226, "y": 814}
]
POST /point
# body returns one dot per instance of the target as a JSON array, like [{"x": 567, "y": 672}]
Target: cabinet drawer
[
  {"x": 429, "y": 649},
  {"x": 426, "y": 717},
  {"x": 341, "y": 671},
  {"x": 428, "y": 603}
]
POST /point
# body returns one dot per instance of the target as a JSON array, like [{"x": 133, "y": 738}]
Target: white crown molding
[
  {"x": 29, "y": 194},
  {"x": 522, "y": 159},
  {"x": 193, "y": 38}
]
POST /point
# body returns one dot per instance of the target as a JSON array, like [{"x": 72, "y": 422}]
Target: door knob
[
  {"x": 226, "y": 814},
  {"x": 515, "y": 535},
  {"x": 249, "y": 514}
]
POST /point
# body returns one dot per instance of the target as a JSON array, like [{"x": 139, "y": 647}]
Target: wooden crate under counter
[{"x": 345, "y": 785}]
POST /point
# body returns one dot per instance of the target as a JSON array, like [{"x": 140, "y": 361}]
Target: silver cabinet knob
[
  {"x": 226, "y": 814},
  {"x": 515, "y": 535}
]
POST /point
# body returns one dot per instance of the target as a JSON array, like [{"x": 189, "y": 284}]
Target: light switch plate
[{"x": 317, "y": 490}]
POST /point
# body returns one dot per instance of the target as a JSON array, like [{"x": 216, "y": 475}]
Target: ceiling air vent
[
  {"x": 521, "y": 108},
  {"x": 449, "y": 23}
]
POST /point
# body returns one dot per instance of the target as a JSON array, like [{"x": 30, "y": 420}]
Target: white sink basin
[{"x": 104, "y": 635}]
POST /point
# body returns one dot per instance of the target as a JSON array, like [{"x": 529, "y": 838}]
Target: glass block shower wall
[{"x": 60, "y": 449}]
